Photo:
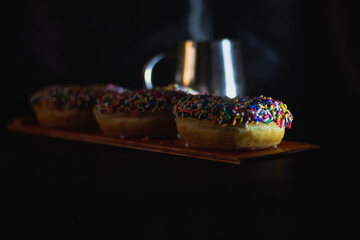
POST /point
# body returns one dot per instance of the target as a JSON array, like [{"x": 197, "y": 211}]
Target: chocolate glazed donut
[
  {"x": 140, "y": 112},
  {"x": 213, "y": 122},
  {"x": 68, "y": 107}
]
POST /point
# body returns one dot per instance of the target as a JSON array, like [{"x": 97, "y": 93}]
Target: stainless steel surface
[{"x": 208, "y": 67}]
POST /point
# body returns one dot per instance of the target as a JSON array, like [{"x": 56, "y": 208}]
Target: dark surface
[
  {"x": 304, "y": 53},
  {"x": 68, "y": 185}
]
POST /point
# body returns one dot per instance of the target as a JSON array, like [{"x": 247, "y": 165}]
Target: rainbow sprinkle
[
  {"x": 71, "y": 96},
  {"x": 140, "y": 101},
  {"x": 231, "y": 111},
  {"x": 182, "y": 88}
]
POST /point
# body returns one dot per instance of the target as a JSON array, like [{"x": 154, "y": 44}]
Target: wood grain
[{"x": 166, "y": 146}]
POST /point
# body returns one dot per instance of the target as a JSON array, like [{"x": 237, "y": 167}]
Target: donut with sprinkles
[
  {"x": 139, "y": 112},
  {"x": 215, "y": 122},
  {"x": 69, "y": 106}
]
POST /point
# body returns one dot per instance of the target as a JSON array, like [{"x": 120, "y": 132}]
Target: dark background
[{"x": 304, "y": 53}]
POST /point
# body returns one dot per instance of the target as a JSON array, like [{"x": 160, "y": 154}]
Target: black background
[{"x": 304, "y": 53}]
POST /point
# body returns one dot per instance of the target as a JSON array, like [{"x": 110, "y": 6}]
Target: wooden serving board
[{"x": 167, "y": 146}]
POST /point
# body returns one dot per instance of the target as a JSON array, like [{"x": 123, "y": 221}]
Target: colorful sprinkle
[
  {"x": 71, "y": 96},
  {"x": 239, "y": 110},
  {"x": 142, "y": 100}
]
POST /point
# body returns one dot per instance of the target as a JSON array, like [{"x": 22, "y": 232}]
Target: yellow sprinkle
[
  {"x": 251, "y": 122},
  {"x": 224, "y": 124},
  {"x": 234, "y": 121}
]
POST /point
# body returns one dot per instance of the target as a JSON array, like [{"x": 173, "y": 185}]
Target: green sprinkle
[{"x": 228, "y": 117}]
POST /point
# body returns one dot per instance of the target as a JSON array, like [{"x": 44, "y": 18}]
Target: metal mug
[{"x": 209, "y": 67}]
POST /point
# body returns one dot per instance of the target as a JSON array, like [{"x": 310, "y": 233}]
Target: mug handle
[{"x": 150, "y": 64}]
